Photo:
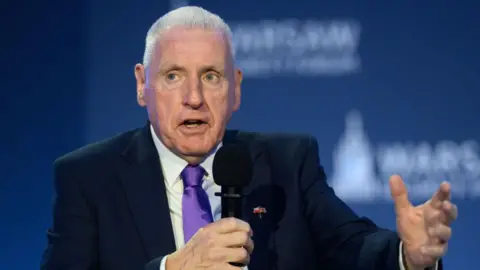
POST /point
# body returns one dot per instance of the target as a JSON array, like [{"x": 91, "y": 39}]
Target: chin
[
  {"x": 198, "y": 149},
  {"x": 196, "y": 145}
]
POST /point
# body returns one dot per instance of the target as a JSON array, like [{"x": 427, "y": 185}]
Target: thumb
[{"x": 399, "y": 194}]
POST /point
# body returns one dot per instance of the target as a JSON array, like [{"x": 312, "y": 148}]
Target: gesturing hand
[
  {"x": 424, "y": 229},
  {"x": 214, "y": 247}
]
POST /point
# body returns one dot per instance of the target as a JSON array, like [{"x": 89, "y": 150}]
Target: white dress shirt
[{"x": 172, "y": 167}]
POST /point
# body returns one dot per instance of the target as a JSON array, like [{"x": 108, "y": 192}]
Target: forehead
[{"x": 186, "y": 46}]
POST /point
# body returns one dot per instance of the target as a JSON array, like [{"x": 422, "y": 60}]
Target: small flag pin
[{"x": 260, "y": 211}]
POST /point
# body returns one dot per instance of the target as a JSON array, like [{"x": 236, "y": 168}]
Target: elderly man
[{"x": 126, "y": 203}]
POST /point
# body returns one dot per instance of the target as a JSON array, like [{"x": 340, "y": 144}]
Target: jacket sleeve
[
  {"x": 72, "y": 243},
  {"x": 156, "y": 264},
  {"x": 343, "y": 240}
]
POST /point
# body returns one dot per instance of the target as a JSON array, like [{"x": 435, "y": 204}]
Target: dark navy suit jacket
[{"x": 111, "y": 211}]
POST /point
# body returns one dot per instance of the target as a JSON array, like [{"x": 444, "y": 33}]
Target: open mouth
[{"x": 193, "y": 123}]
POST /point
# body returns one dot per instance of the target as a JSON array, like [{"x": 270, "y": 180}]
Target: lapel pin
[{"x": 260, "y": 211}]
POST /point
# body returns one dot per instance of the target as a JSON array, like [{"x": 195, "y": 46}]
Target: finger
[
  {"x": 445, "y": 215},
  {"x": 237, "y": 239},
  {"x": 450, "y": 210},
  {"x": 442, "y": 194},
  {"x": 440, "y": 232},
  {"x": 434, "y": 251},
  {"x": 434, "y": 216},
  {"x": 399, "y": 194},
  {"x": 235, "y": 255},
  {"x": 228, "y": 225}
]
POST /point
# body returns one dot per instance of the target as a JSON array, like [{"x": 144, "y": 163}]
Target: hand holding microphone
[
  {"x": 215, "y": 246},
  {"x": 226, "y": 243}
]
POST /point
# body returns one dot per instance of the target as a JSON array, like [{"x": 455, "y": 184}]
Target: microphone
[{"x": 232, "y": 170}]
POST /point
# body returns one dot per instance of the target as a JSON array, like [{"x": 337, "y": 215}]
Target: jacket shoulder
[
  {"x": 97, "y": 151},
  {"x": 289, "y": 155},
  {"x": 283, "y": 144}
]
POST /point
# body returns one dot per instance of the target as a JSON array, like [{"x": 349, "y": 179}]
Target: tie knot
[{"x": 192, "y": 175}]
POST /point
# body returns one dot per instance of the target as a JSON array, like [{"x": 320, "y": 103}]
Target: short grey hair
[{"x": 187, "y": 16}]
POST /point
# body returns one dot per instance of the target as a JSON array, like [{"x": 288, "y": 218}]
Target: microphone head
[{"x": 232, "y": 166}]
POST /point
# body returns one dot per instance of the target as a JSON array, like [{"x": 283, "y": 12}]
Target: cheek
[
  {"x": 165, "y": 114},
  {"x": 220, "y": 106},
  {"x": 160, "y": 108}
]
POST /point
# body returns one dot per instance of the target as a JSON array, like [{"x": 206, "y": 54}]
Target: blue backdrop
[{"x": 385, "y": 87}]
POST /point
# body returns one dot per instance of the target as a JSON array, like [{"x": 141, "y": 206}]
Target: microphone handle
[
  {"x": 231, "y": 202},
  {"x": 232, "y": 207}
]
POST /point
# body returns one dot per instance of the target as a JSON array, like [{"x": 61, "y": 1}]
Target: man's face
[{"x": 190, "y": 89}]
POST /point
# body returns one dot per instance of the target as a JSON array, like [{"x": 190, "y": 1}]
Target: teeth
[{"x": 193, "y": 122}]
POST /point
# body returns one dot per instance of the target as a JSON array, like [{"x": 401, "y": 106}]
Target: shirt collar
[{"x": 173, "y": 165}]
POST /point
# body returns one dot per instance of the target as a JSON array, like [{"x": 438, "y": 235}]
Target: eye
[
  {"x": 172, "y": 76},
  {"x": 172, "y": 79},
  {"x": 212, "y": 77}
]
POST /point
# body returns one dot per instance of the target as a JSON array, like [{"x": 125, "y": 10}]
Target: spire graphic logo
[
  {"x": 361, "y": 169},
  {"x": 354, "y": 162}
]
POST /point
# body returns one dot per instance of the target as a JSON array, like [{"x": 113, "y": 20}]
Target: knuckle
[
  {"x": 447, "y": 204},
  {"x": 229, "y": 224},
  {"x": 243, "y": 238},
  {"x": 435, "y": 214},
  {"x": 243, "y": 254},
  {"x": 232, "y": 223},
  {"x": 251, "y": 244},
  {"x": 249, "y": 228},
  {"x": 448, "y": 232}
]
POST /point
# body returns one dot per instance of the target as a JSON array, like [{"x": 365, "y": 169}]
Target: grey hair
[{"x": 187, "y": 16}]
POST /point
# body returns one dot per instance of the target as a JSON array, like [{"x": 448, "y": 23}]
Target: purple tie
[{"x": 196, "y": 208}]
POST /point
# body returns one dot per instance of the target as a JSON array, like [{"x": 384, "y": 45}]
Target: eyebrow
[
  {"x": 166, "y": 67},
  {"x": 212, "y": 68}
]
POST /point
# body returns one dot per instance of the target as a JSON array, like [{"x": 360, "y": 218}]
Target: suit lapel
[
  {"x": 144, "y": 186},
  {"x": 143, "y": 183},
  {"x": 260, "y": 194}
]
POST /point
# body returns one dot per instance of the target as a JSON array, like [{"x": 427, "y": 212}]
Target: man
[{"x": 144, "y": 199}]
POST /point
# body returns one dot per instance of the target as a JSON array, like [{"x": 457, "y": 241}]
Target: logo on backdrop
[
  {"x": 296, "y": 47},
  {"x": 361, "y": 170}
]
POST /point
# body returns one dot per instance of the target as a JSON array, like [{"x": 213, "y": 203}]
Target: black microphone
[{"x": 232, "y": 170}]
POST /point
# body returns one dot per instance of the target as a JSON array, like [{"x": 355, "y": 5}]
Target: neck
[{"x": 193, "y": 160}]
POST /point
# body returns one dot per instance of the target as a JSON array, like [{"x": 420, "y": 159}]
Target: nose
[{"x": 194, "y": 94}]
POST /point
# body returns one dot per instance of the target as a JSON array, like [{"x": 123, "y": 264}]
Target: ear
[
  {"x": 140, "y": 78},
  {"x": 238, "y": 89}
]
